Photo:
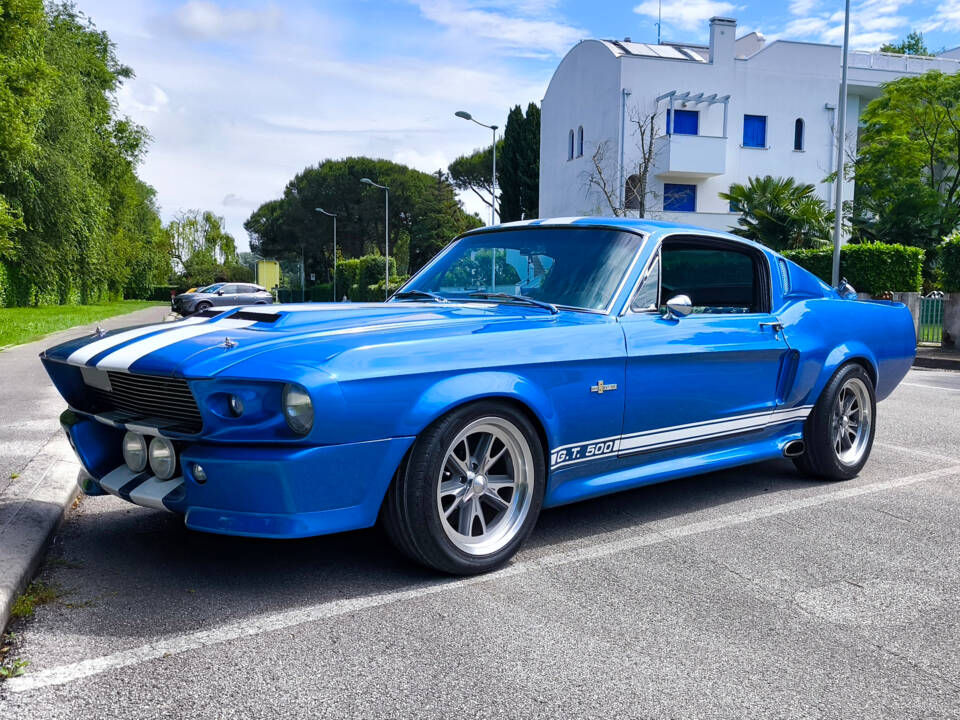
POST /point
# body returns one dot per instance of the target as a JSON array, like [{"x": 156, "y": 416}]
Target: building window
[
  {"x": 798, "y": 134},
  {"x": 685, "y": 122},
  {"x": 679, "y": 198},
  {"x": 580, "y": 141},
  {"x": 631, "y": 195},
  {"x": 570, "y": 146},
  {"x": 755, "y": 131}
]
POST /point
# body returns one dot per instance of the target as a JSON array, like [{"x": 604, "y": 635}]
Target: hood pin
[{"x": 228, "y": 343}]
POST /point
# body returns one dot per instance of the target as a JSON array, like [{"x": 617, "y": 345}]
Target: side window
[
  {"x": 230, "y": 289},
  {"x": 649, "y": 290},
  {"x": 717, "y": 280}
]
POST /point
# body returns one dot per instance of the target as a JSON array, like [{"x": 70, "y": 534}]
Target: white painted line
[
  {"x": 250, "y": 627},
  {"x": 921, "y": 453},
  {"x": 931, "y": 387}
]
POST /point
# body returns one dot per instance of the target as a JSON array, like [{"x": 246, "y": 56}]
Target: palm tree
[{"x": 780, "y": 213}]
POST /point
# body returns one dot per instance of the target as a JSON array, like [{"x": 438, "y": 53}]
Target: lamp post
[
  {"x": 493, "y": 192},
  {"x": 386, "y": 234},
  {"x": 841, "y": 131},
  {"x": 493, "y": 200},
  {"x": 334, "y": 216}
]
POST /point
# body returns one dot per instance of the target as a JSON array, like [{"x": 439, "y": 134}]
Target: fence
[{"x": 930, "y": 327}]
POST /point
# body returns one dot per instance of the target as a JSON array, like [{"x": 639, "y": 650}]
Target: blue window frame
[
  {"x": 679, "y": 198},
  {"x": 755, "y": 131},
  {"x": 685, "y": 122}
]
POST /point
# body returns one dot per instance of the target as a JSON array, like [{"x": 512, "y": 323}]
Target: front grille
[{"x": 161, "y": 402}]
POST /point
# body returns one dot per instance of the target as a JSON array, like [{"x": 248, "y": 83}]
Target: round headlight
[
  {"x": 163, "y": 458},
  {"x": 135, "y": 451},
  {"x": 236, "y": 405},
  {"x": 297, "y": 409}
]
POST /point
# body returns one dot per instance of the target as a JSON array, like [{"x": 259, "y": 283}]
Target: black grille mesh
[{"x": 161, "y": 402}]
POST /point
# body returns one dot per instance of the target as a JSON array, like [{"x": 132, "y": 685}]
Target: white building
[{"x": 740, "y": 108}]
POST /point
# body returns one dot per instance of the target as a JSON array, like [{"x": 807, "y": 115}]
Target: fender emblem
[{"x": 601, "y": 388}]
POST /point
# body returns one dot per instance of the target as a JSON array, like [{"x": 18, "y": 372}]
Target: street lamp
[
  {"x": 493, "y": 193},
  {"x": 386, "y": 233},
  {"x": 334, "y": 216},
  {"x": 493, "y": 200}
]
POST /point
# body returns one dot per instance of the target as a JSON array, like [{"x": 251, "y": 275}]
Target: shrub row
[
  {"x": 871, "y": 268},
  {"x": 950, "y": 263}
]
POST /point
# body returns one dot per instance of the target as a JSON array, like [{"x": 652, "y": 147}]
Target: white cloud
[
  {"x": 686, "y": 15},
  {"x": 526, "y": 36},
  {"x": 872, "y": 23},
  {"x": 946, "y": 17},
  {"x": 210, "y": 21},
  {"x": 802, "y": 7}
]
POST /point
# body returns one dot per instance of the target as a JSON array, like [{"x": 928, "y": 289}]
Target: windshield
[
  {"x": 563, "y": 266},
  {"x": 210, "y": 288}
]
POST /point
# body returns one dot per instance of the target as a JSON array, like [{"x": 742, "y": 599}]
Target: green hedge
[
  {"x": 871, "y": 267},
  {"x": 950, "y": 262}
]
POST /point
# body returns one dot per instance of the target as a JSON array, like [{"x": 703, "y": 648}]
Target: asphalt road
[{"x": 751, "y": 593}]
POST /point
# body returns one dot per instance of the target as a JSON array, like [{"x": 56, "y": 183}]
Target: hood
[{"x": 311, "y": 335}]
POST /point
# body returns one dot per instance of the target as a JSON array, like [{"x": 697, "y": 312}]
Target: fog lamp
[
  {"x": 297, "y": 409},
  {"x": 199, "y": 474},
  {"x": 163, "y": 458},
  {"x": 236, "y": 405},
  {"x": 135, "y": 451}
]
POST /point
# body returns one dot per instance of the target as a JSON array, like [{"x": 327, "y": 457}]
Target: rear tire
[
  {"x": 470, "y": 490},
  {"x": 839, "y": 431}
]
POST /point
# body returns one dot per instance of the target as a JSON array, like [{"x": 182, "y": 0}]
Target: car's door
[
  {"x": 227, "y": 295},
  {"x": 709, "y": 375}
]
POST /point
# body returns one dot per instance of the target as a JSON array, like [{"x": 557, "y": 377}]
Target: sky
[{"x": 239, "y": 95}]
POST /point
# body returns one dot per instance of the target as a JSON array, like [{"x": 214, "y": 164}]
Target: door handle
[{"x": 777, "y": 327}]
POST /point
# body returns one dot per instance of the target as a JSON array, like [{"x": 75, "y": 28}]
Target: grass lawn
[{"x": 20, "y": 325}]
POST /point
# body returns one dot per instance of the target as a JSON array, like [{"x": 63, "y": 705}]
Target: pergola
[{"x": 675, "y": 96}]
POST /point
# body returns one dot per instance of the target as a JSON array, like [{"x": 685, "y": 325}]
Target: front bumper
[{"x": 250, "y": 490}]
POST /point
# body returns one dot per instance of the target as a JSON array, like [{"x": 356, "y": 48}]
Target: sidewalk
[
  {"x": 37, "y": 467},
  {"x": 937, "y": 357}
]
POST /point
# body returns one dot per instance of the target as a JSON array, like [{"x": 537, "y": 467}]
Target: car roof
[{"x": 655, "y": 228}]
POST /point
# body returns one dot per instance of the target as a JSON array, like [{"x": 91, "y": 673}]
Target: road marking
[
  {"x": 931, "y": 387},
  {"x": 178, "y": 644},
  {"x": 921, "y": 453}
]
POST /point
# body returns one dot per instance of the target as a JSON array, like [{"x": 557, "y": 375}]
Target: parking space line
[
  {"x": 921, "y": 453},
  {"x": 931, "y": 387},
  {"x": 175, "y": 645}
]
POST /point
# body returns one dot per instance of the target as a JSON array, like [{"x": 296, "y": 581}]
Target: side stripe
[
  {"x": 123, "y": 358},
  {"x": 663, "y": 438},
  {"x": 82, "y": 355},
  {"x": 139, "y": 488}
]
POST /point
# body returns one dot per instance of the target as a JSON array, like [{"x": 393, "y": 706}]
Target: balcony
[{"x": 689, "y": 156}]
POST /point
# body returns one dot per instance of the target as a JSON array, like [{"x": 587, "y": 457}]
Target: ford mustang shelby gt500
[{"x": 528, "y": 365}]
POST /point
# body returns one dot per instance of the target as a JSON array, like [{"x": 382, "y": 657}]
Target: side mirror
[
  {"x": 219, "y": 292},
  {"x": 679, "y": 306}
]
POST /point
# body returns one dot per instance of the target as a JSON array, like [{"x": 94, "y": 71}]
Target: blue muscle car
[{"x": 528, "y": 365}]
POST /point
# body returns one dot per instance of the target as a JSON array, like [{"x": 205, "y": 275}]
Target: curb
[
  {"x": 31, "y": 510},
  {"x": 936, "y": 363}
]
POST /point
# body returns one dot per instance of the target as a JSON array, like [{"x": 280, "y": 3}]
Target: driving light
[
  {"x": 297, "y": 409},
  {"x": 135, "y": 451},
  {"x": 236, "y": 405},
  {"x": 163, "y": 458},
  {"x": 199, "y": 474}
]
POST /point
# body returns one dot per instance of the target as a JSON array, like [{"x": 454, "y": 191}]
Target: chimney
[{"x": 723, "y": 38}]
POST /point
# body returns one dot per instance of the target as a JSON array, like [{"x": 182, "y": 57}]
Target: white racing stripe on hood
[
  {"x": 81, "y": 356},
  {"x": 123, "y": 358}
]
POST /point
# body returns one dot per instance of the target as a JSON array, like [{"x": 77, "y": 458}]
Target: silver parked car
[{"x": 220, "y": 294}]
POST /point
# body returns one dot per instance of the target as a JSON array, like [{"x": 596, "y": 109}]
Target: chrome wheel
[
  {"x": 484, "y": 488},
  {"x": 851, "y": 422}
]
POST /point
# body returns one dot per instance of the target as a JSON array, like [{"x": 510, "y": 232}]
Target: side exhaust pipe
[{"x": 794, "y": 448}]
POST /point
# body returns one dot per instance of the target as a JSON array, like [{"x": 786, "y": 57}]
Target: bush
[
  {"x": 950, "y": 262},
  {"x": 872, "y": 267}
]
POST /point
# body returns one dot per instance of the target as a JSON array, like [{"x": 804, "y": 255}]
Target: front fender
[{"x": 451, "y": 392}]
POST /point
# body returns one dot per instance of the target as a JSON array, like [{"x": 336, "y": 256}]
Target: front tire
[
  {"x": 201, "y": 306},
  {"x": 839, "y": 431},
  {"x": 470, "y": 491}
]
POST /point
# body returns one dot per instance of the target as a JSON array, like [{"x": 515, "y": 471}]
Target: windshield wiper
[
  {"x": 420, "y": 293},
  {"x": 516, "y": 298}
]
